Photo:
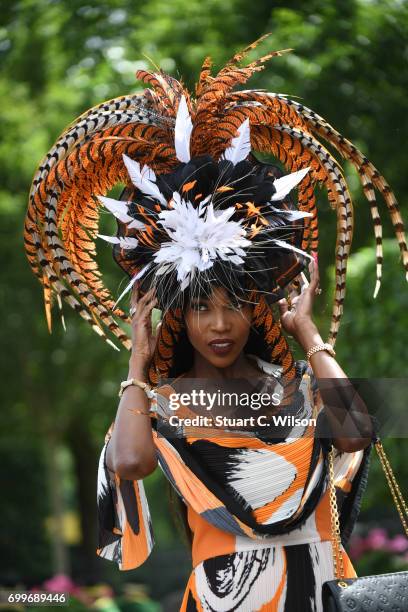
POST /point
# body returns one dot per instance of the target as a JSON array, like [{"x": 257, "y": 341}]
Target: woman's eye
[{"x": 198, "y": 306}]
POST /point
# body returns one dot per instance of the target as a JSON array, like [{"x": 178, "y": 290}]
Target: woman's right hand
[{"x": 143, "y": 340}]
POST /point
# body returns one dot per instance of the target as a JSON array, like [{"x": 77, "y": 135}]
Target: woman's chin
[{"x": 221, "y": 361}]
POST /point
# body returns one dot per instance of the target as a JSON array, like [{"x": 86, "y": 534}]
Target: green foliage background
[{"x": 58, "y": 58}]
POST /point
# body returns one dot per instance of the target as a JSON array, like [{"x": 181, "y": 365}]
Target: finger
[
  {"x": 293, "y": 293},
  {"x": 153, "y": 303},
  {"x": 143, "y": 310},
  {"x": 134, "y": 296},
  {"x": 151, "y": 292},
  {"x": 310, "y": 268},
  {"x": 153, "y": 300},
  {"x": 147, "y": 296},
  {"x": 314, "y": 272},
  {"x": 146, "y": 309},
  {"x": 303, "y": 280},
  {"x": 145, "y": 320},
  {"x": 283, "y": 306}
]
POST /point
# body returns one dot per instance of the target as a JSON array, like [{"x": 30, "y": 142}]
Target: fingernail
[{"x": 315, "y": 256}]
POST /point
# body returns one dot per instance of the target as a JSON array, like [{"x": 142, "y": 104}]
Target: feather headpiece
[
  {"x": 208, "y": 222},
  {"x": 198, "y": 205}
]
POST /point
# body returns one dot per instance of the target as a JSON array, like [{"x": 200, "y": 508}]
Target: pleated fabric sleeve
[
  {"x": 250, "y": 494},
  {"x": 125, "y": 533}
]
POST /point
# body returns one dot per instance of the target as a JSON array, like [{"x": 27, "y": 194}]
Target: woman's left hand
[{"x": 296, "y": 318}]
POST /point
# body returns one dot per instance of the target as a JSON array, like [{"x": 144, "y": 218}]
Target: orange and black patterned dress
[{"x": 258, "y": 508}]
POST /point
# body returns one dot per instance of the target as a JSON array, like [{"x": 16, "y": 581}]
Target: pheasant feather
[{"x": 190, "y": 179}]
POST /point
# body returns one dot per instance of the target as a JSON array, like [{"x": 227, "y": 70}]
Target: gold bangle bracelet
[{"x": 320, "y": 347}]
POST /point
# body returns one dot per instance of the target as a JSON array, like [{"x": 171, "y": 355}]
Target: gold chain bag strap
[{"x": 378, "y": 593}]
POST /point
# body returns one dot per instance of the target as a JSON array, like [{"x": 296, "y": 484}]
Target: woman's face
[{"x": 217, "y": 327}]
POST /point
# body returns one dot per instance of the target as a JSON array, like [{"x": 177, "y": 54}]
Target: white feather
[
  {"x": 286, "y": 183},
  {"x": 118, "y": 208},
  {"x": 144, "y": 179},
  {"x": 132, "y": 282},
  {"x": 136, "y": 224},
  {"x": 126, "y": 242},
  {"x": 291, "y": 214},
  {"x": 290, "y": 247},
  {"x": 197, "y": 238},
  {"x": 236, "y": 260},
  {"x": 182, "y": 131},
  {"x": 240, "y": 145},
  {"x": 163, "y": 269}
]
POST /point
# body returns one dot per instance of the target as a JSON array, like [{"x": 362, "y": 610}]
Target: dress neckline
[{"x": 264, "y": 366}]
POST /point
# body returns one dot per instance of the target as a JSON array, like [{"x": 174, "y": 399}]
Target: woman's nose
[{"x": 220, "y": 320}]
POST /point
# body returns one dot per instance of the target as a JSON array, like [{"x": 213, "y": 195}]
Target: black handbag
[{"x": 378, "y": 593}]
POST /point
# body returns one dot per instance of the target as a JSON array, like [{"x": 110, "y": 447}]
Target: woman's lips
[{"x": 221, "y": 347}]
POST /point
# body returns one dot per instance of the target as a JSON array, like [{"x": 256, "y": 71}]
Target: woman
[
  {"x": 212, "y": 230},
  {"x": 282, "y": 572}
]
